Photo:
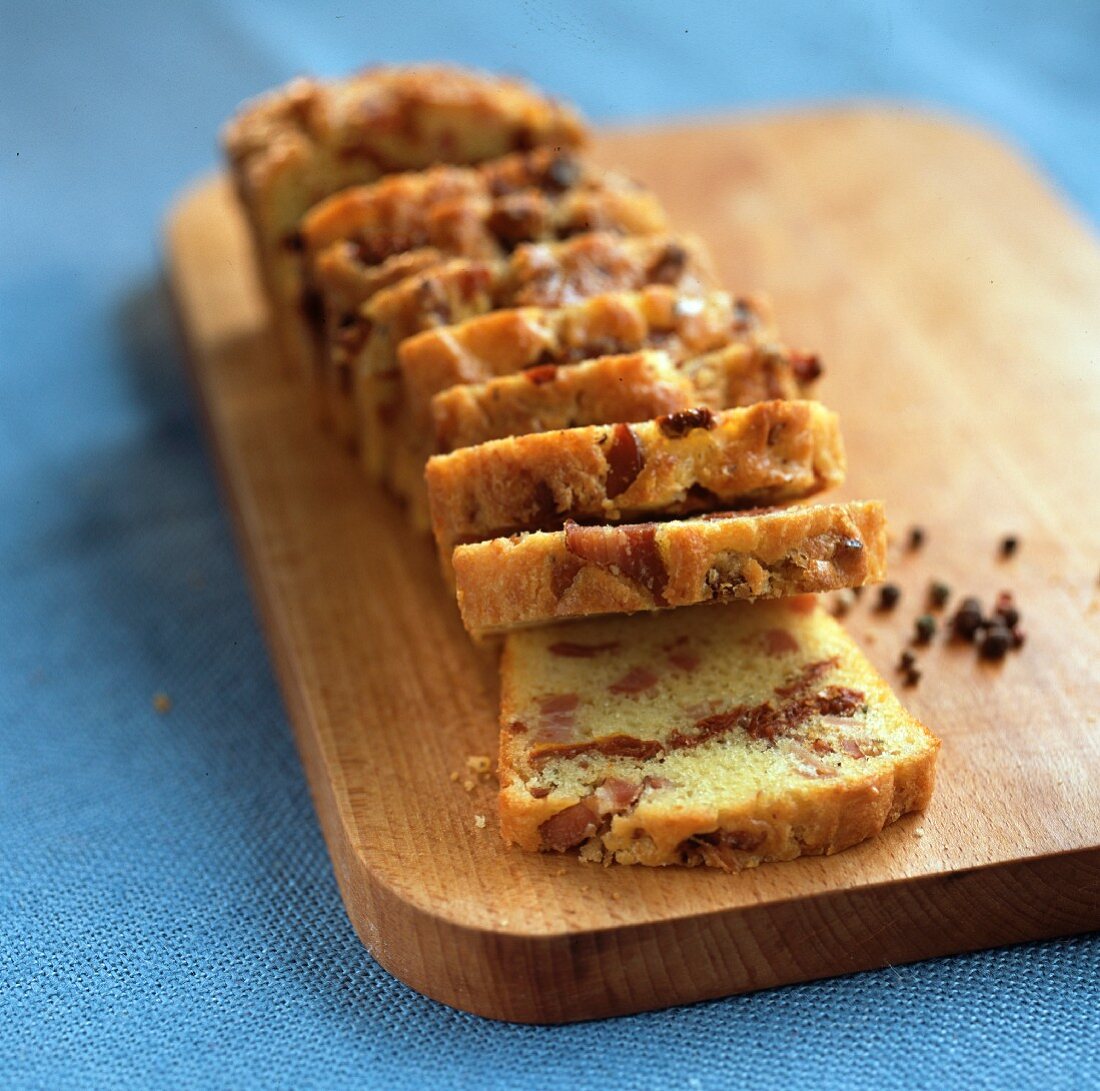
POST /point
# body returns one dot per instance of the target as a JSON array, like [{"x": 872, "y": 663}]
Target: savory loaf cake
[
  {"x": 547, "y": 576},
  {"x": 726, "y": 737},
  {"x": 694, "y": 460},
  {"x": 536, "y": 275},
  {"x": 609, "y": 389},
  {"x": 290, "y": 148}
]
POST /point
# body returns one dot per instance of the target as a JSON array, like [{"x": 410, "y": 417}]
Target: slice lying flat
[
  {"x": 726, "y": 737},
  {"x": 689, "y": 461},
  {"x": 580, "y": 571}
]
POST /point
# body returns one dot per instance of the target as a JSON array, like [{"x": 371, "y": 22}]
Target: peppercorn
[
  {"x": 968, "y": 619},
  {"x": 938, "y": 594},
  {"x": 1005, "y": 609},
  {"x": 1009, "y": 544},
  {"x": 916, "y": 537},
  {"x": 907, "y": 661},
  {"x": 925, "y": 629},
  {"x": 912, "y": 676},
  {"x": 996, "y": 642},
  {"x": 888, "y": 596}
]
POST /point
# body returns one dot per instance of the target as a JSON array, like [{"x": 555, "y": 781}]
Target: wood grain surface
[{"x": 955, "y": 302}]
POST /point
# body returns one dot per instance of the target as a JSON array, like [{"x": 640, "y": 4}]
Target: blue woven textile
[{"x": 168, "y": 917}]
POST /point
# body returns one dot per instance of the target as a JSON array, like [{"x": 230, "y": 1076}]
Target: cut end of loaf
[{"x": 727, "y": 737}]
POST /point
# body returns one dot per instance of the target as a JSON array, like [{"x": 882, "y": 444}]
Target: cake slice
[
  {"x": 725, "y": 737},
  {"x": 613, "y": 389},
  {"x": 546, "y": 275},
  {"x": 295, "y": 146},
  {"x": 506, "y": 342},
  {"x": 546, "y": 576},
  {"x": 694, "y": 460}
]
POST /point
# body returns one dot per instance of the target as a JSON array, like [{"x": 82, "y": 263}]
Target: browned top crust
[
  {"x": 505, "y": 342},
  {"x": 693, "y": 460},
  {"x": 388, "y": 119},
  {"x": 399, "y": 202},
  {"x": 546, "y": 576}
]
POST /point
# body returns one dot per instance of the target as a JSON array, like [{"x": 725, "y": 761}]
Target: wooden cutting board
[{"x": 955, "y": 302}]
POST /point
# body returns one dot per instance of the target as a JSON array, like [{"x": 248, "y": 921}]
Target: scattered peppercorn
[
  {"x": 1009, "y": 544},
  {"x": 997, "y": 641},
  {"x": 925, "y": 629},
  {"x": 916, "y": 537},
  {"x": 1005, "y": 609},
  {"x": 912, "y": 676},
  {"x": 907, "y": 661},
  {"x": 938, "y": 594},
  {"x": 888, "y": 596},
  {"x": 968, "y": 619}
]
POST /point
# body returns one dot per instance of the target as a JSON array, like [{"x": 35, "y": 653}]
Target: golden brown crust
[
  {"x": 292, "y": 147},
  {"x": 756, "y": 733},
  {"x": 633, "y": 387},
  {"x": 694, "y": 460},
  {"x": 356, "y": 242},
  {"x": 506, "y": 342},
  {"x": 543, "y": 275},
  {"x": 533, "y": 579},
  {"x": 611, "y": 389}
]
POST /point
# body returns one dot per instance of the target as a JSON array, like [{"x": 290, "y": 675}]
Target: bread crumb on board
[{"x": 479, "y": 821}]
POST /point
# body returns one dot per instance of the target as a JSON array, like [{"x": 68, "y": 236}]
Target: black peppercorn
[
  {"x": 968, "y": 619},
  {"x": 907, "y": 661},
  {"x": 1005, "y": 609},
  {"x": 996, "y": 642},
  {"x": 925, "y": 629},
  {"x": 912, "y": 676},
  {"x": 916, "y": 537},
  {"x": 888, "y": 596},
  {"x": 938, "y": 594},
  {"x": 1009, "y": 544}
]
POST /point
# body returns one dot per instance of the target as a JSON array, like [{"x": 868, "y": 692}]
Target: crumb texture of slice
[
  {"x": 693, "y": 460},
  {"x": 542, "y": 577},
  {"x": 725, "y": 737}
]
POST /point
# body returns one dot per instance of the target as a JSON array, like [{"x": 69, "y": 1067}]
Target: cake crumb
[
  {"x": 479, "y": 821},
  {"x": 480, "y": 765},
  {"x": 454, "y": 778},
  {"x": 616, "y": 896},
  {"x": 162, "y": 703},
  {"x": 469, "y": 785},
  {"x": 919, "y": 831}
]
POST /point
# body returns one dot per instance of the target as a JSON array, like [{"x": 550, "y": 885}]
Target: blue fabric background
[{"x": 167, "y": 912}]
